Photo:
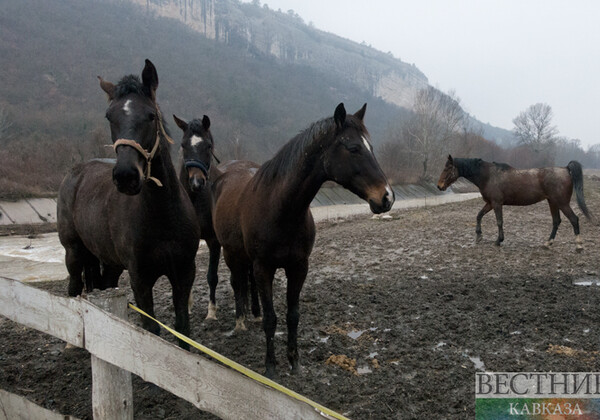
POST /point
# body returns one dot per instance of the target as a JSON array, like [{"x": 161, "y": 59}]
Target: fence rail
[{"x": 204, "y": 383}]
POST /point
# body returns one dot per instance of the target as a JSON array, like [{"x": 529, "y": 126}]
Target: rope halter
[{"x": 148, "y": 155}]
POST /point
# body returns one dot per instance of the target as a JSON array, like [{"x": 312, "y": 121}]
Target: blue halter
[{"x": 194, "y": 163}]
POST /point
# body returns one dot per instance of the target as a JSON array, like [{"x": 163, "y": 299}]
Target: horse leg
[
  {"x": 555, "y": 223},
  {"x": 110, "y": 276},
  {"x": 486, "y": 208},
  {"x": 214, "y": 248},
  {"x": 254, "y": 295},
  {"x": 264, "y": 280},
  {"x": 499, "y": 221},
  {"x": 295, "y": 279},
  {"x": 74, "y": 264},
  {"x": 570, "y": 214},
  {"x": 142, "y": 292},
  {"x": 182, "y": 282},
  {"x": 91, "y": 273}
]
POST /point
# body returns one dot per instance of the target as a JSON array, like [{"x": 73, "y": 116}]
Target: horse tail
[{"x": 576, "y": 173}]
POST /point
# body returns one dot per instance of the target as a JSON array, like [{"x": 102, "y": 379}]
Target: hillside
[{"x": 260, "y": 75}]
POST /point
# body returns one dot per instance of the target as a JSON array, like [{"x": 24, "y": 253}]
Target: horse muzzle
[
  {"x": 441, "y": 186},
  {"x": 197, "y": 181},
  {"x": 128, "y": 180},
  {"x": 384, "y": 203},
  {"x": 197, "y": 174}
]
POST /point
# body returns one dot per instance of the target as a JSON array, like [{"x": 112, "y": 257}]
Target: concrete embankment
[
  {"x": 330, "y": 202},
  {"x": 41, "y": 258}
]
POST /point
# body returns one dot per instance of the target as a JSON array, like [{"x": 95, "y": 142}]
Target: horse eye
[
  {"x": 151, "y": 117},
  {"x": 354, "y": 149}
]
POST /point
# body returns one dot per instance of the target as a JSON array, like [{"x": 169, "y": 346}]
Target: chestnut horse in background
[
  {"x": 501, "y": 184},
  {"x": 133, "y": 214},
  {"x": 264, "y": 221},
  {"x": 196, "y": 174}
]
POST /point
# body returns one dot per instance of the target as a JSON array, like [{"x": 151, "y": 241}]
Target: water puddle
[
  {"x": 363, "y": 370},
  {"x": 355, "y": 334},
  {"x": 587, "y": 281}
]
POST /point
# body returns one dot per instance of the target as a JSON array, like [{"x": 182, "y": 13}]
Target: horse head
[
  {"x": 197, "y": 147},
  {"x": 448, "y": 175},
  {"x": 135, "y": 126},
  {"x": 350, "y": 161}
]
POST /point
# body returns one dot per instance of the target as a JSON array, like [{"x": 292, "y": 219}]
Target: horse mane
[
  {"x": 502, "y": 166},
  {"x": 130, "y": 84},
  {"x": 468, "y": 167},
  {"x": 292, "y": 155}
]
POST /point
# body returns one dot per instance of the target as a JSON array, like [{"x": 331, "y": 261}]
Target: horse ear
[
  {"x": 107, "y": 87},
  {"x": 206, "y": 122},
  {"x": 339, "y": 115},
  {"x": 450, "y": 159},
  {"x": 150, "y": 78},
  {"x": 180, "y": 123},
  {"x": 360, "y": 114}
]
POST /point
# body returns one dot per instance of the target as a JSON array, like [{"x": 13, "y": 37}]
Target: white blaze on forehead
[
  {"x": 367, "y": 145},
  {"x": 126, "y": 107},
  {"x": 196, "y": 139}
]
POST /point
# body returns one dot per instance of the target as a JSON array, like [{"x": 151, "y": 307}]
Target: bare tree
[
  {"x": 438, "y": 118},
  {"x": 533, "y": 128}
]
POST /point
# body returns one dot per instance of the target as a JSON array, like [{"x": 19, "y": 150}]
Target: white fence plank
[
  {"x": 204, "y": 383},
  {"x": 15, "y": 407},
  {"x": 38, "y": 309}
]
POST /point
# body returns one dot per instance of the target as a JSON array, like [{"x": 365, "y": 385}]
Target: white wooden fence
[{"x": 117, "y": 346}]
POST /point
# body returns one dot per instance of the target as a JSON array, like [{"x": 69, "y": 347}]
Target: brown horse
[
  {"x": 196, "y": 174},
  {"x": 133, "y": 214},
  {"x": 501, "y": 184},
  {"x": 264, "y": 221}
]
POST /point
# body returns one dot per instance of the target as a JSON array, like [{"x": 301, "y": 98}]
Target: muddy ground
[{"x": 413, "y": 300}]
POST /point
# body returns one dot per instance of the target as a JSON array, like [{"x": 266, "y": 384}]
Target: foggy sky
[{"x": 499, "y": 56}]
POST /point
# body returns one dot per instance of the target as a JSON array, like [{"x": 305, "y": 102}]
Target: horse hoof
[
  {"x": 579, "y": 249},
  {"x": 240, "y": 325},
  {"x": 497, "y": 243},
  {"x": 212, "y": 311},
  {"x": 211, "y": 317},
  {"x": 258, "y": 318},
  {"x": 548, "y": 244},
  {"x": 270, "y": 372},
  {"x": 295, "y": 368}
]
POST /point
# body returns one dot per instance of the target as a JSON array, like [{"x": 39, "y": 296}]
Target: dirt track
[{"x": 425, "y": 304}]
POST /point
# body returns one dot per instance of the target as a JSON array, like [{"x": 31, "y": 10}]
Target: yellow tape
[{"x": 244, "y": 370}]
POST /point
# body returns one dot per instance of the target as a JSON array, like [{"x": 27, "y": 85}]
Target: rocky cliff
[{"x": 287, "y": 39}]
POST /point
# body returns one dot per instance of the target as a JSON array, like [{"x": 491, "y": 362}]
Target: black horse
[
  {"x": 264, "y": 221},
  {"x": 196, "y": 174},
  {"x": 132, "y": 215}
]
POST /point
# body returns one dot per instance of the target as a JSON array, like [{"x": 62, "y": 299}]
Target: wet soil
[{"x": 396, "y": 317}]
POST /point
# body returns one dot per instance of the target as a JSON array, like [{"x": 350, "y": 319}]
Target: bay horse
[
  {"x": 264, "y": 221},
  {"x": 196, "y": 173},
  {"x": 501, "y": 184},
  {"x": 134, "y": 214}
]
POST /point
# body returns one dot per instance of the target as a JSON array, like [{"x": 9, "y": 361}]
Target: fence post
[{"x": 112, "y": 392}]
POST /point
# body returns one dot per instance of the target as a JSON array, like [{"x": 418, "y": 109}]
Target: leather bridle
[{"x": 148, "y": 155}]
